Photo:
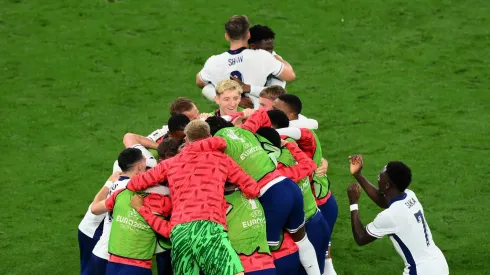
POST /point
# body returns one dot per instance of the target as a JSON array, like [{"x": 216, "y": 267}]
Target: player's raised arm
[
  {"x": 106, "y": 205},
  {"x": 257, "y": 120},
  {"x": 356, "y": 164},
  {"x": 149, "y": 178},
  {"x": 237, "y": 176},
  {"x": 131, "y": 139},
  {"x": 361, "y": 236},
  {"x": 158, "y": 224},
  {"x": 303, "y": 169},
  {"x": 104, "y": 191}
]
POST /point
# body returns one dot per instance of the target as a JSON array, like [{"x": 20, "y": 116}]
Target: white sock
[
  {"x": 329, "y": 270},
  {"x": 307, "y": 257},
  {"x": 209, "y": 92}
]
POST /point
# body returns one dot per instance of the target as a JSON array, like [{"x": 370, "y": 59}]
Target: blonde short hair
[
  {"x": 228, "y": 85},
  {"x": 272, "y": 92},
  {"x": 196, "y": 130}
]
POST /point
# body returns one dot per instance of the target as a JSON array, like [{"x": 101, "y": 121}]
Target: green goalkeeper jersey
[
  {"x": 246, "y": 224},
  {"x": 244, "y": 148}
]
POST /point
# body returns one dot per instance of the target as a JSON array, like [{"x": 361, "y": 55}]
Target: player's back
[
  {"x": 413, "y": 238},
  {"x": 196, "y": 179},
  {"x": 246, "y": 231},
  {"x": 245, "y": 149},
  {"x": 251, "y": 66}
]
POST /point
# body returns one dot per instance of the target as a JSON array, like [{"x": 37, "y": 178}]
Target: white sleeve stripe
[{"x": 371, "y": 233}]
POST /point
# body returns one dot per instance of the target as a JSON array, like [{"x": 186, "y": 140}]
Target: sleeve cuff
[{"x": 371, "y": 233}]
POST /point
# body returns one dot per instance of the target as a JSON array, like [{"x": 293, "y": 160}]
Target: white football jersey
[
  {"x": 90, "y": 223},
  {"x": 304, "y": 122},
  {"x": 405, "y": 224},
  {"x": 253, "y": 67},
  {"x": 158, "y": 133},
  {"x": 101, "y": 249}
]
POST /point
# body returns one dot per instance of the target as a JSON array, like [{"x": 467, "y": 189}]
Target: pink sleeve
[{"x": 257, "y": 120}]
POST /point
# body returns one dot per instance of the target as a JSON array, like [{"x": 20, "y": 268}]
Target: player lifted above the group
[{"x": 252, "y": 67}]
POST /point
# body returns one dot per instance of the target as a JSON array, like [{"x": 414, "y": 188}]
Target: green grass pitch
[{"x": 406, "y": 80}]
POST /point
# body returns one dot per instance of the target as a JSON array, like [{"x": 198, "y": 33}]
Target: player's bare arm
[
  {"x": 99, "y": 208},
  {"x": 358, "y": 230},
  {"x": 356, "y": 164},
  {"x": 104, "y": 191},
  {"x": 287, "y": 73},
  {"x": 131, "y": 139}
]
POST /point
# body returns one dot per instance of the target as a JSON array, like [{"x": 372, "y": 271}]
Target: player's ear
[
  {"x": 248, "y": 35},
  {"x": 216, "y": 99},
  {"x": 227, "y": 37}
]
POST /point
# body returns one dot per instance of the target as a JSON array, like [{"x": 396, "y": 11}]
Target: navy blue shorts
[
  {"x": 283, "y": 208},
  {"x": 96, "y": 266},
  {"x": 86, "y": 245},
  {"x": 330, "y": 211},
  {"x": 124, "y": 269},
  {"x": 318, "y": 233},
  {"x": 289, "y": 265},
  {"x": 270, "y": 271},
  {"x": 164, "y": 263}
]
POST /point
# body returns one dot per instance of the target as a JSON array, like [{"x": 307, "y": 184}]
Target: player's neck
[
  {"x": 127, "y": 174},
  {"x": 237, "y": 44},
  {"x": 390, "y": 195}
]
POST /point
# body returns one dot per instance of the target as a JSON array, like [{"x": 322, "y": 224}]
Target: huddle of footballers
[{"x": 240, "y": 191}]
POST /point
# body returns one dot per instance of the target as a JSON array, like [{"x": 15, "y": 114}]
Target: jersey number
[
  {"x": 236, "y": 74},
  {"x": 253, "y": 204},
  {"x": 420, "y": 219}
]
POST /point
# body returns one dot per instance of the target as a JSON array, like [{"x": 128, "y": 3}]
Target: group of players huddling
[{"x": 241, "y": 191}]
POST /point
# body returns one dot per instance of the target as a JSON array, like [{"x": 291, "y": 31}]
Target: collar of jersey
[
  {"x": 237, "y": 51},
  {"x": 123, "y": 178},
  {"x": 400, "y": 197}
]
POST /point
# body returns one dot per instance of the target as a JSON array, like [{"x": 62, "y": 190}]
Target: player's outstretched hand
[
  {"x": 322, "y": 169},
  {"x": 137, "y": 202},
  {"x": 355, "y": 164},
  {"x": 114, "y": 176},
  {"x": 354, "y": 192},
  {"x": 283, "y": 142},
  {"x": 248, "y": 112},
  {"x": 245, "y": 87},
  {"x": 204, "y": 116},
  {"x": 239, "y": 121}
]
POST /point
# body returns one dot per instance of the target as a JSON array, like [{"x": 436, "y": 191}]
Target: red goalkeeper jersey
[{"x": 196, "y": 178}]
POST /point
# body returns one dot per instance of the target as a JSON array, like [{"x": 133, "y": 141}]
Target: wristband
[
  {"x": 354, "y": 207},
  {"x": 108, "y": 184}
]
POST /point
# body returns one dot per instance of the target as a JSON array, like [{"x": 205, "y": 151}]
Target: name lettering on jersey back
[
  {"x": 236, "y": 60},
  {"x": 411, "y": 202}
]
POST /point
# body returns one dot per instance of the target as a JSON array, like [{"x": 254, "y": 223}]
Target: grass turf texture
[{"x": 391, "y": 80}]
